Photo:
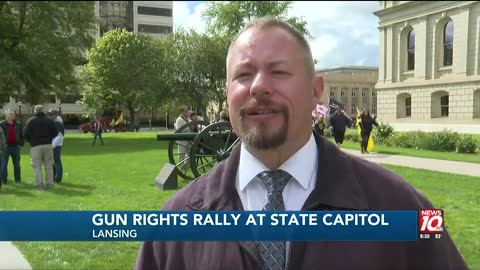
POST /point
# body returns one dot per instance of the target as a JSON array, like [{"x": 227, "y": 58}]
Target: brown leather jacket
[{"x": 343, "y": 182}]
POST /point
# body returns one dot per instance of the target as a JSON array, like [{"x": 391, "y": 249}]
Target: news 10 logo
[{"x": 431, "y": 221}]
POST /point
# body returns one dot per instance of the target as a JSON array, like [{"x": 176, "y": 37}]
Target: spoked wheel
[
  {"x": 179, "y": 151},
  {"x": 212, "y": 145}
]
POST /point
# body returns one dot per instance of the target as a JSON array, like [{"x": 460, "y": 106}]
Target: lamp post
[{"x": 19, "y": 107}]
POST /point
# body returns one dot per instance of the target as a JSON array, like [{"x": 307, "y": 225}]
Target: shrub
[
  {"x": 466, "y": 144},
  {"x": 350, "y": 136},
  {"x": 444, "y": 140},
  {"x": 327, "y": 133},
  {"x": 382, "y": 132}
]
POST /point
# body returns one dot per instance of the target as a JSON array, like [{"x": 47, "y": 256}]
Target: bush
[
  {"x": 444, "y": 140},
  {"x": 466, "y": 144},
  {"x": 327, "y": 133},
  {"x": 382, "y": 132},
  {"x": 354, "y": 137}
]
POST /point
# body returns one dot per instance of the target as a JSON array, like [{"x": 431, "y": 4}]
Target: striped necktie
[{"x": 272, "y": 254}]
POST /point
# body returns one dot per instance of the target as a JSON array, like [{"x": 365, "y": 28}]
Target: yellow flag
[
  {"x": 359, "y": 120},
  {"x": 119, "y": 120},
  {"x": 370, "y": 144}
]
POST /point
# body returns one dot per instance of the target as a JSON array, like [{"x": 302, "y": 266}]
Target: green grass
[
  {"x": 120, "y": 176},
  {"x": 453, "y": 156}
]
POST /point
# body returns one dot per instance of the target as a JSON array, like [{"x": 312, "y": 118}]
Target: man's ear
[{"x": 318, "y": 88}]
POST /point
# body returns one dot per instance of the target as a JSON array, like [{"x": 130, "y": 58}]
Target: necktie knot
[{"x": 274, "y": 181}]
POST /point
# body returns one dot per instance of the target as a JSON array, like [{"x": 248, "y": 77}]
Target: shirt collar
[{"x": 300, "y": 165}]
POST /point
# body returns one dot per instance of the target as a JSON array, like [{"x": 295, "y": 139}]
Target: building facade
[
  {"x": 429, "y": 65},
  {"x": 353, "y": 86}
]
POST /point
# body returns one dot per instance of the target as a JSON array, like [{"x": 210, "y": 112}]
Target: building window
[
  {"x": 411, "y": 50},
  {"x": 476, "y": 103},
  {"x": 332, "y": 91},
  {"x": 448, "y": 44},
  {"x": 440, "y": 104},
  {"x": 154, "y": 29},
  {"x": 353, "y": 110},
  {"x": 154, "y": 11},
  {"x": 354, "y": 92},
  {"x": 408, "y": 107},
  {"x": 404, "y": 105},
  {"x": 444, "y": 105},
  {"x": 342, "y": 92},
  {"x": 374, "y": 93},
  {"x": 364, "y": 92},
  {"x": 374, "y": 110}
]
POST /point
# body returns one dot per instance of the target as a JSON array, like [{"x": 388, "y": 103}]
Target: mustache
[{"x": 267, "y": 103}]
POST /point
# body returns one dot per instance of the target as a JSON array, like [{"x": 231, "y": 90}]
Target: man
[
  {"x": 98, "y": 130},
  {"x": 57, "y": 143},
  {"x": 339, "y": 123},
  {"x": 271, "y": 90},
  {"x": 39, "y": 132},
  {"x": 183, "y": 146},
  {"x": 2, "y": 148},
  {"x": 13, "y": 131},
  {"x": 366, "y": 125}
]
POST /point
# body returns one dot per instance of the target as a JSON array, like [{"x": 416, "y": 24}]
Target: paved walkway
[
  {"x": 456, "y": 167},
  {"x": 12, "y": 258}
]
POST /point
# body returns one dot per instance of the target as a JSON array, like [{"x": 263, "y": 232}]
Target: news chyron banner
[{"x": 219, "y": 225}]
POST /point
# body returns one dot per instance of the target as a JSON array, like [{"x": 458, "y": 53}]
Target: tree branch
[{"x": 23, "y": 13}]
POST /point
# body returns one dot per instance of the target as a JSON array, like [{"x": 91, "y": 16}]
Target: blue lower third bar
[{"x": 208, "y": 226}]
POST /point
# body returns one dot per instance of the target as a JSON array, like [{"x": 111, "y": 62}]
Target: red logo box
[{"x": 430, "y": 221}]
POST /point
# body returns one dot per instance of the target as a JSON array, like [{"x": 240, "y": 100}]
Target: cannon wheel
[
  {"x": 208, "y": 149},
  {"x": 183, "y": 166}
]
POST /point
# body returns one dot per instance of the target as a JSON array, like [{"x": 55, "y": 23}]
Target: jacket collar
[{"x": 337, "y": 185}]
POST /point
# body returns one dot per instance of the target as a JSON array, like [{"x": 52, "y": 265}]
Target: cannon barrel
[
  {"x": 191, "y": 136},
  {"x": 177, "y": 137}
]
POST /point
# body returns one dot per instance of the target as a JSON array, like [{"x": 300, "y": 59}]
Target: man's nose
[{"x": 261, "y": 85}]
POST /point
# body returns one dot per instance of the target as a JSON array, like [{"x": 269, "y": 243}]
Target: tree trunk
[
  {"x": 23, "y": 12},
  {"x": 131, "y": 111}
]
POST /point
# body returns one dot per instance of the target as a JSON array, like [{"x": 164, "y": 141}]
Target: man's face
[
  {"x": 10, "y": 116},
  {"x": 269, "y": 93}
]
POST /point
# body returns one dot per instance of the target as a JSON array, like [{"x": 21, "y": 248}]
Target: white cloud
[
  {"x": 343, "y": 33},
  {"x": 182, "y": 17}
]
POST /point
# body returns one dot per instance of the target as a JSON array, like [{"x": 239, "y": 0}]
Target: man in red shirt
[{"x": 13, "y": 131}]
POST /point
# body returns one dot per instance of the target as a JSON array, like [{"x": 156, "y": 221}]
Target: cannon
[{"x": 196, "y": 153}]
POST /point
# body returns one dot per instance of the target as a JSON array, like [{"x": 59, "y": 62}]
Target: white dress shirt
[{"x": 302, "y": 166}]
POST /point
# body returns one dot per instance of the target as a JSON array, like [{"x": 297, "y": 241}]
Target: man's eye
[
  {"x": 242, "y": 74},
  {"x": 280, "y": 72}
]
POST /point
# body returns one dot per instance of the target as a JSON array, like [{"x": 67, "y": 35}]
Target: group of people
[
  {"x": 45, "y": 133},
  {"x": 281, "y": 165},
  {"x": 339, "y": 122}
]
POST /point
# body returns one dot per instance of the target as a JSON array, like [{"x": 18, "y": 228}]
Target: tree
[
  {"x": 197, "y": 66},
  {"x": 124, "y": 68},
  {"x": 227, "y": 18},
  {"x": 41, "y": 43}
]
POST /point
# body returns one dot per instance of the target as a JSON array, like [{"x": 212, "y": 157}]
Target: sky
[{"x": 343, "y": 33}]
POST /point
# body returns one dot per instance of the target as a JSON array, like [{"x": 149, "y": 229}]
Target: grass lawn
[
  {"x": 120, "y": 176},
  {"x": 474, "y": 158}
]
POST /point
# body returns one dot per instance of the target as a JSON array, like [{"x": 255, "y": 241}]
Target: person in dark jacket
[
  {"x": 39, "y": 132},
  {"x": 339, "y": 123},
  {"x": 366, "y": 125},
  {"x": 2, "y": 147},
  {"x": 13, "y": 131},
  {"x": 271, "y": 90}
]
